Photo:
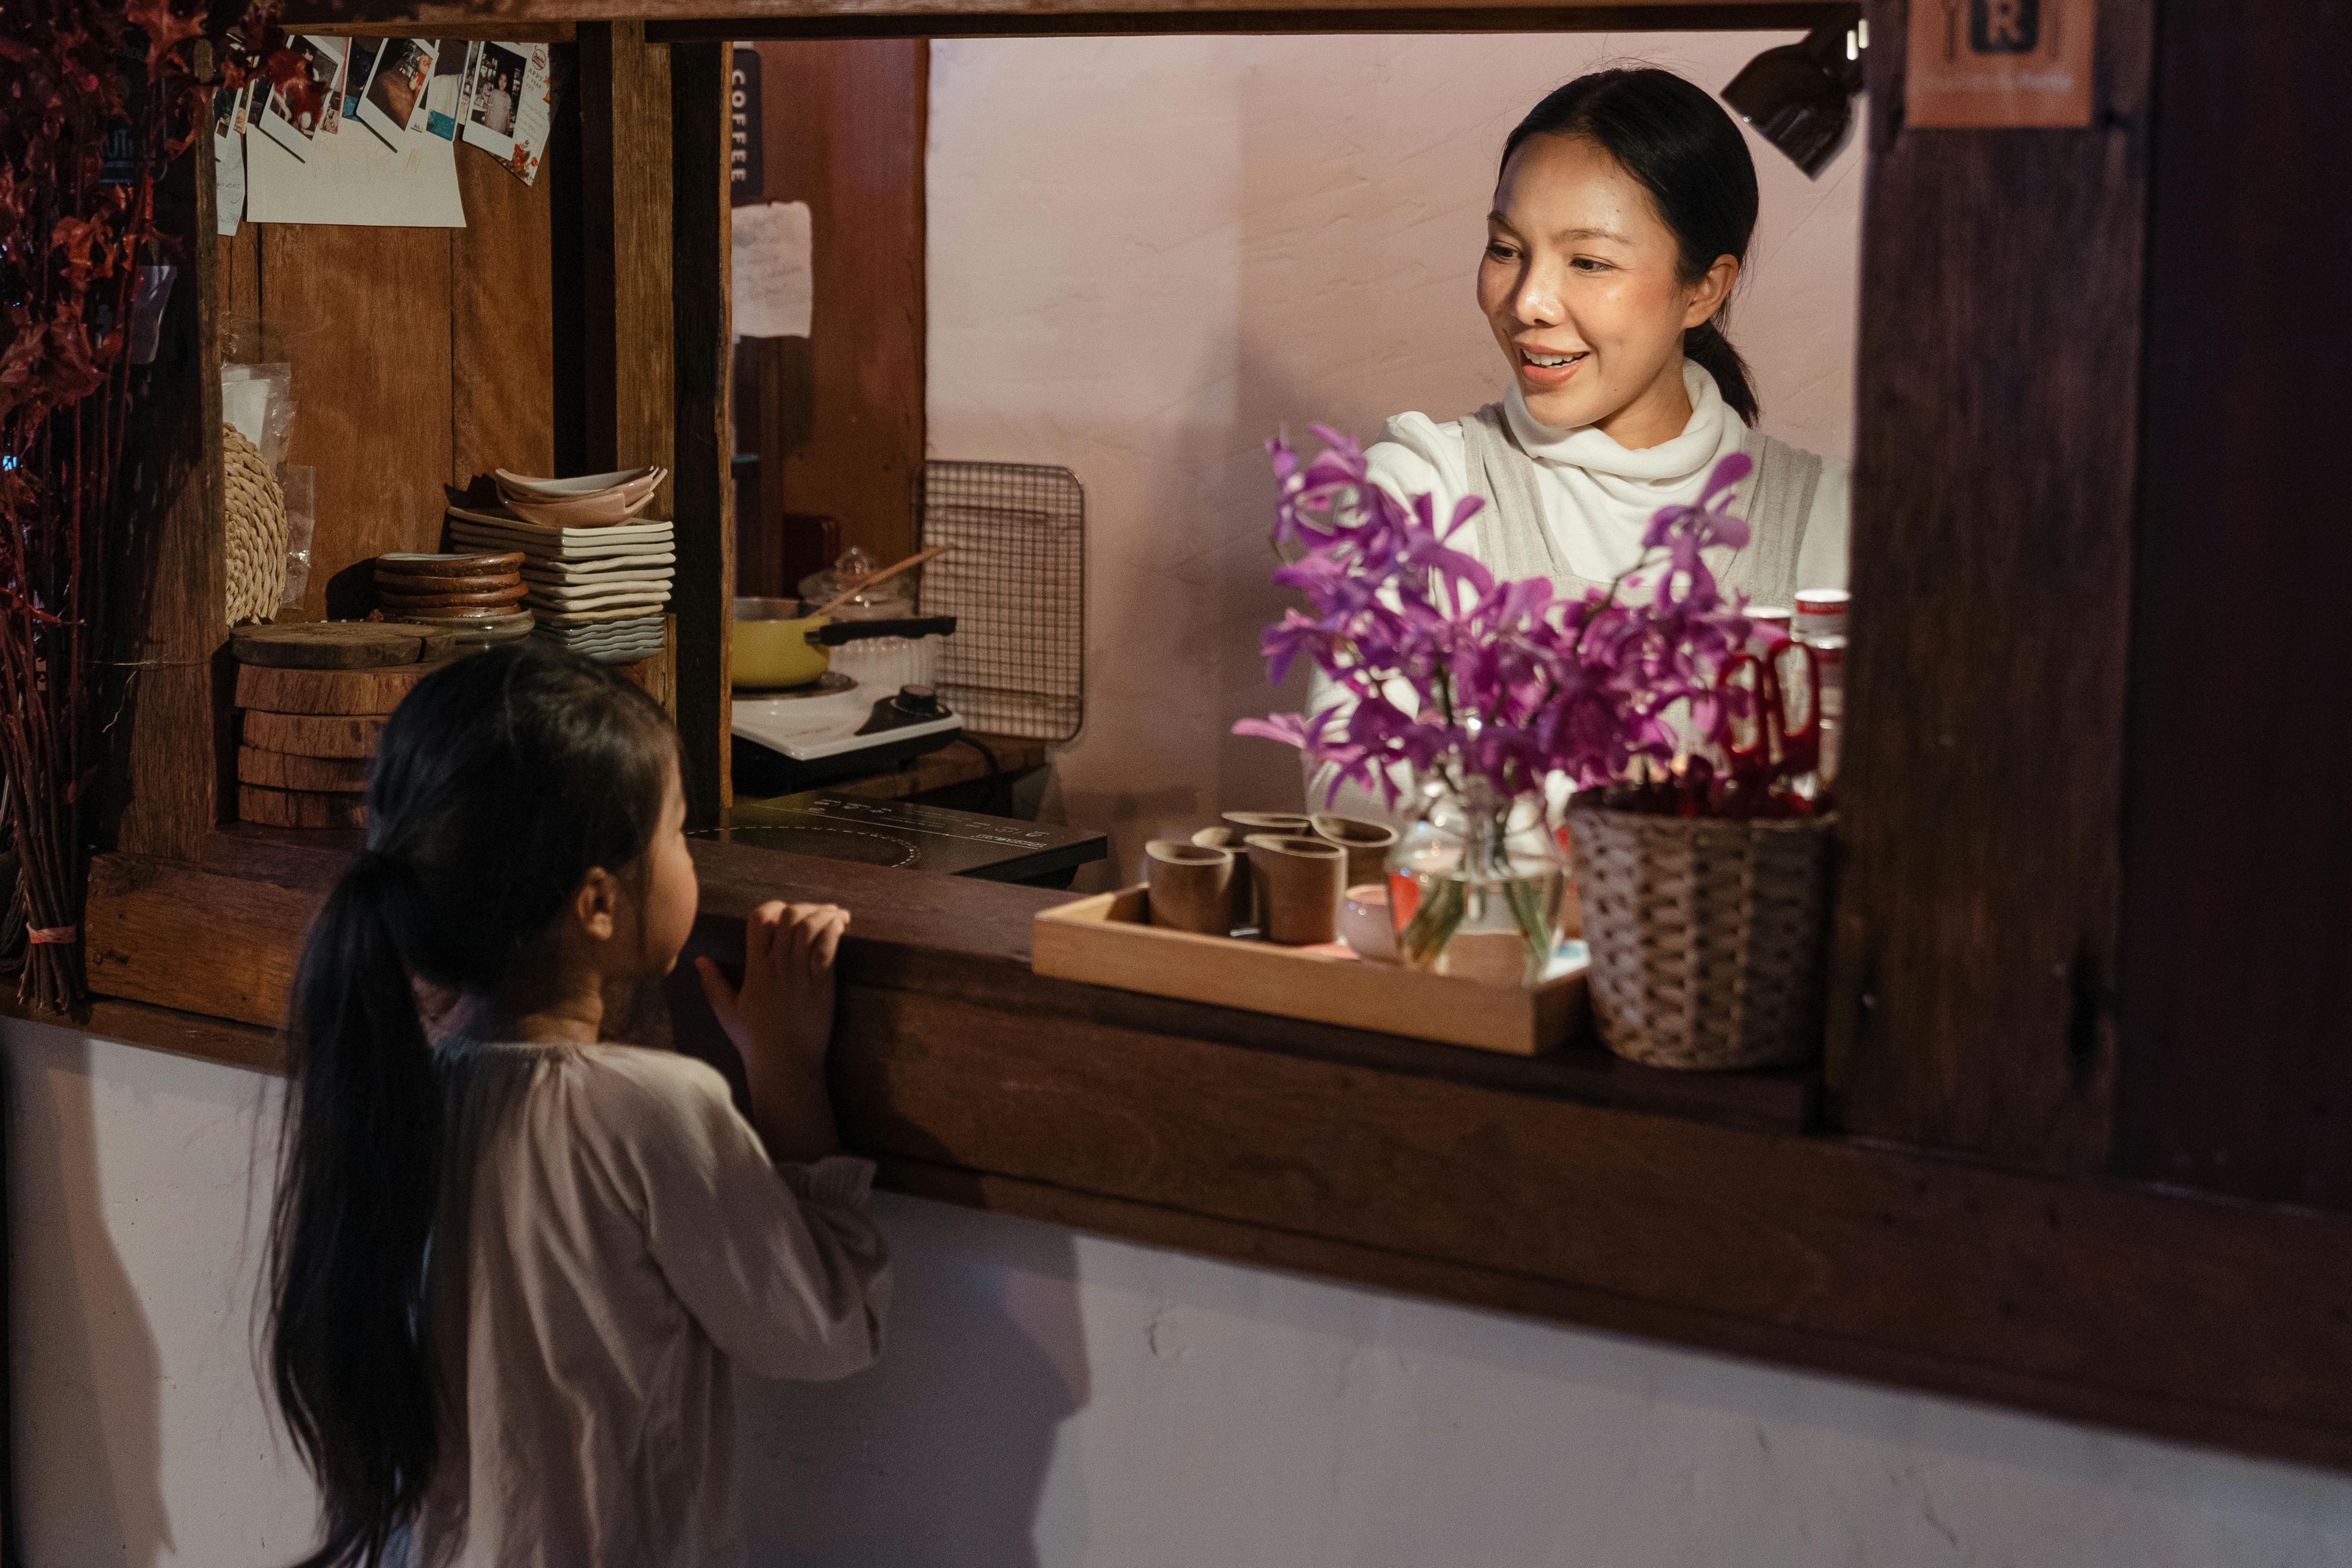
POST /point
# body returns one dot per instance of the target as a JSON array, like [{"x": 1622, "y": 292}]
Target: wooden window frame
[{"x": 1958, "y": 1228}]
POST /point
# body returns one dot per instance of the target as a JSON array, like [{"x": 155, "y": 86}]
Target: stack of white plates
[{"x": 600, "y": 590}]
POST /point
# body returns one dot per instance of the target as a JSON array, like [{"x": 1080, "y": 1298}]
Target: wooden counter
[{"x": 1688, "y": 1208}]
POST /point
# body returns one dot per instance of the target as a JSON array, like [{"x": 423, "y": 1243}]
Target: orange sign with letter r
[{"x": 1993, "y": 63}]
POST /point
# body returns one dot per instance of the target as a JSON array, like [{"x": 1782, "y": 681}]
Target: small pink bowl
[{"x": 1364, "y": 923}]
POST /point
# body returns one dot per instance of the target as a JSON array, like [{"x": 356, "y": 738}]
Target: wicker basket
[
  {"x": 1707, "y": 937},
  {"x": 257, "y": 529}
]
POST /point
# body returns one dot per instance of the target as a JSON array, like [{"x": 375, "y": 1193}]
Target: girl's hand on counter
[
  {"x": 781, "y": 1019},
  {"x": 785, "y": 1007}
]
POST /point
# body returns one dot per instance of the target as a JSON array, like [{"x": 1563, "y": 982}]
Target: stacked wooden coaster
[
  {"x": 478, "y": 595},
  {"x": 312, "y": 700}
]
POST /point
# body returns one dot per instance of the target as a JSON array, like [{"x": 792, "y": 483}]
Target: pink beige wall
[{"x": 1147, "y": 254}]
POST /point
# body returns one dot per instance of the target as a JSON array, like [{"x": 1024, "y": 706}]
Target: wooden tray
[{"x": 1105, "y": 940}]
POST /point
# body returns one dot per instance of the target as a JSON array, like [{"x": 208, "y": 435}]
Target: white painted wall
[
  {"x": 1147, "y": 254},
  {"x": 1058, "y": 1400}
]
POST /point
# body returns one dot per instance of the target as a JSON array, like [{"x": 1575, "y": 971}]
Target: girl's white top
[
  {"x": 1598, "y": 496},
  {"x": 612, "y": 1241}
]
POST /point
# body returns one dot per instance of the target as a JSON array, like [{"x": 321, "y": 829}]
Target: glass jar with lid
[{"x": 891, "y": 600}]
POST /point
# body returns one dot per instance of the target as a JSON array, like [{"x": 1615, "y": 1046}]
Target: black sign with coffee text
[{"x": 746, "y": 180}]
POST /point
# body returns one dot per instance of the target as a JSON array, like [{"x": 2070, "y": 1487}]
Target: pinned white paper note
[
  {"x": 356, "y": 180},
  {"x": 228, "y": 160},
  {"x": 774, "y": 282},
  {"x": 228, "y": 180}
]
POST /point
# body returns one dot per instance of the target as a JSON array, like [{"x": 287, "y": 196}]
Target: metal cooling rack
[{"x": 1016, "y": 583}]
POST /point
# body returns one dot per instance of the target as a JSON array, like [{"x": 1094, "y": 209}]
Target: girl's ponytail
[
  {"x": 1706, "y": 345},
  {"x": 501, "y": 782},
  {"x": 363, "y": 1164}
]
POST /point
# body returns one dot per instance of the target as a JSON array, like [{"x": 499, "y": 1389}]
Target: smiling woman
[{"x": 1621, "y": 219}]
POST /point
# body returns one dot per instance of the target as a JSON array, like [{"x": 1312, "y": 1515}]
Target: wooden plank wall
[
  {"x": 840, "y": 413},
  {"x": 2237, "y": 852},
  {"x": 1976, "y": 938},
  {"x": 422, "y": 358}
]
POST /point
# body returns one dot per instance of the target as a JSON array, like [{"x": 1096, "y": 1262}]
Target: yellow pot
[{"x": 772, "y": 645}]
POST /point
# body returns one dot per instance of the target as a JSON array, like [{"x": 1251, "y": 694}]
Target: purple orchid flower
[{"x": 1507, "y": 681}]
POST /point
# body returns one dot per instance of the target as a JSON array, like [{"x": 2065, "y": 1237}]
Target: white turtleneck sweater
[{"x": 1598, "y": 496}]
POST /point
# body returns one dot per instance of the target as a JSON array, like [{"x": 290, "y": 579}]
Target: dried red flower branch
[{"x": 96, "y": 98}]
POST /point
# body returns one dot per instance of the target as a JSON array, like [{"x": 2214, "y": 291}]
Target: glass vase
[{"x": 1478, "y": 885}]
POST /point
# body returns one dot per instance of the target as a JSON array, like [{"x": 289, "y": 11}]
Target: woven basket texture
[
  {"x": 256, "y": 530},
  {"x": 1707, "y": 937}
]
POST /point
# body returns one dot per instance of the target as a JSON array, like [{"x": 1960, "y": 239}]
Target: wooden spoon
[{"x": 862, "y": 583}]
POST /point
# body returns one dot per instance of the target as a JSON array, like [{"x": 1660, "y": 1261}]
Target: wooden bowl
[
  {"x": 536, "y": 490},
  {"x": 581, "y": 512}
]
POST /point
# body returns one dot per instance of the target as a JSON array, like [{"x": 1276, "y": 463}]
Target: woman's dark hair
[
  {"x": 501, "y": 781},
  {"x": 1689, "y": 155}
]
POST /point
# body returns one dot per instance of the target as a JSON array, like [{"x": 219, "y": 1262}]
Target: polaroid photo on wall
[
  {"x": 245, "y": 105},
  {"x": 497, "y": 99},
  {"x": 394, "y": 99},
  {"x": 330, "y": 114},
  {"x": 358, "y": 68},
  {"x": 447, "y": 88},
  {"x": 293, "y": 116},
  {"x": 534, "y": 112}
]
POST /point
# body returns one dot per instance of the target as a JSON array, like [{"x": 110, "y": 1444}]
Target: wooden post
[
  {"x": 1999, "y": 398},
  {"x": 167, "y": 697},
  {"x": 629, "y": 354},
  {"x": 704, "y": 440}
]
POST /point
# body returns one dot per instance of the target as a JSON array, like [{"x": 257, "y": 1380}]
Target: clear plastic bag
[
  {"x": 301, "y": 484},
  {"x": 259, "y": 400}
]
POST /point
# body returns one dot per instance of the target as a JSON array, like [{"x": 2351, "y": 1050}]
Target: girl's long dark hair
[
  {"x": 1686, "y": 152},
  {"x": 501, "y": 781}
]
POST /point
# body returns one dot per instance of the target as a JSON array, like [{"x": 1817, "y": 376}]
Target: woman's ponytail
[
  {"x": 1706, "y": 345},
  {"x": 363, "y": 1162}
]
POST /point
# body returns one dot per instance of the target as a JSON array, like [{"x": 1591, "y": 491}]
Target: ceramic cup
[
  {"x": 1244, "y": 888},
  {"x": 1298, "y": 881},
  {"x": 1367, "y": 843},
  {"x": 1364, "y": 922},
  {"x": 1291, "y": 823},
  {"x": 1192, "y": 886}
]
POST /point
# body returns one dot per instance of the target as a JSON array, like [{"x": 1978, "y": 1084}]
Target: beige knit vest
[{"x": 1776, "y": 497}]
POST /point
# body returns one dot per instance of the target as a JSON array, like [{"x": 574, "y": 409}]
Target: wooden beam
[
  {"x": 1615, "y": 1312},
  {"x": 625, "y": 294},
  {"x": 2233, "y": 1074},
  {"x": 168, "y": 680},
  {"x": 712, "y": 20},
  {"x": 1975, "y": 934},
  {"x": 504, "y": 29},
  {"x": 704, "y": 485},
  {"x": 1074, "y": 21}
]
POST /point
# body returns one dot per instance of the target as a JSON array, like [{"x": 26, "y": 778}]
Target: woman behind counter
[{"x": 1622, "y": 214}]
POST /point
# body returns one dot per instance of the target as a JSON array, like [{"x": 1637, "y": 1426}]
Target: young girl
[{"x": 512, "y": 1266}]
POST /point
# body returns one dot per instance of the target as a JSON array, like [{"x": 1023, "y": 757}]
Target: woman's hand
[{"x": 781, "y": 1019}]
